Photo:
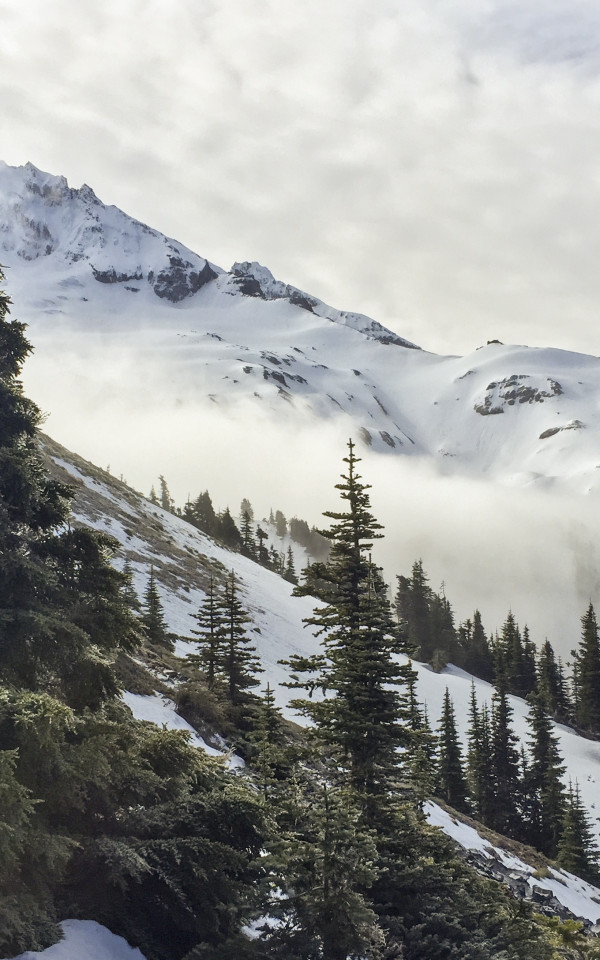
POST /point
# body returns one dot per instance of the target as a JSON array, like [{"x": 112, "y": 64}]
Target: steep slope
[
  {"x": 183, "y": 560},
  {"x": 139, "y": 325}
]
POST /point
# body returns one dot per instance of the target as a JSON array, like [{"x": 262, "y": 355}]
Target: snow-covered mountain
[{"x": 129, "y": 313}]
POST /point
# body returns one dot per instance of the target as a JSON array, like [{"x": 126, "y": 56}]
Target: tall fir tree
[
  {"x": 479, "y": 760},
  {"x": 543, "y": 789},
  {"x": 361, "y": 717},
  {"x": 153, "y": 618},
  {"x": 240, "y": 664},
  {"x": 577, "y": 849},
  {"x": 587, "y": 705},
  {"x": 551, "y": 684},
  {"x": 210, "y": 635},
  {"x": 450, "y": 781},
  {"x": 506, "y": 800}
]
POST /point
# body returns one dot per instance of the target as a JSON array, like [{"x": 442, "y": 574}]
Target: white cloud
[{"x": 431, "y": 164}]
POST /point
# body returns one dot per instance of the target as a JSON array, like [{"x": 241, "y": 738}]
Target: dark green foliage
[
  {"x": 174, "y": 852},
  {"x": 289, "y": 573},
  {"x": 361, "y": 719},
  {"x": 201, "y": 514},
  {"x": 434, "y": 907},
  {"x": 476, "y": 656},
  {"x": 426, "y": 621},
  {"x": 226, "y": 530},
  {"x": 450, "y": 781},
  {"x": 269, "y": 756},
  {"x": 543, "y": 790},
  {"x": 166, "y": 500},
  {"x": 577, "y": 850},
  {"x": 323, "y": 863},
  {"x": 152, "y": 618},
  {"x": 505, "y": 775},
  {"x": 247, "y": 533},
  {"x": 479, "y": 761},
  {"x": 551, "y": 684},
  {"x": 587, "y": 704},
  {"x": 280, "y": 524},
  {"x": 239, "y": 663},
  {"x": 210, "y": 635}
]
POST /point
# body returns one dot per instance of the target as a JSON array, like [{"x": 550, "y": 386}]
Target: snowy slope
[
  {"x": 183, "y": 560},
  {"x": 140, "y": 325},
  {"x": 86, "y": 940}
]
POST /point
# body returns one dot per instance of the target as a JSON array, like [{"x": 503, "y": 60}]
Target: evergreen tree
[
  {"x": 450, "y": 783},
  {"x": 270, "y": 759},
  {"x": 289, "y": 573},
  {"x": 280, "y": 524},
  {"x": 247, "y": 534},
  {"x": 505, "y": 807},
  {"x": 240, "y": 665},
  {"x": 166, "y": 501},
  {"x": 543, "y": 789},
  {"x": 479, "y": 760},
  {"x": 210, "y": 633},
  {"x": 262, "y": 554},
  {"x": 153, "y": 618},
  {"x": 476, "y": 653},
  {"x": 412, "y": 608},
  {"x": 551, "y": 684},
  {"x": 361, "y": 718},
  {"x": 325, "y": 863},
  {"x": 587, "y": 706},
  {"x": 62, "y": 611},
  {"x": 129, "y": 594},
  {"x": 201, "y": 514},
  {"x": 227, "y": 531},
  {"x": 577, "y": 850}
]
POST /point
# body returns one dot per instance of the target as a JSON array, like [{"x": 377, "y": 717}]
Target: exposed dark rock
[
  {"x": 514, "y": 390},
  {"x": 181, "y": 280},
  {"x": 573, "y": 425},
  {"x": 111, "y": 275}
]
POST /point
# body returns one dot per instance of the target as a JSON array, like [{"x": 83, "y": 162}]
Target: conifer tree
[
  {"x": 289, "y": 573},
  {"x": 476, "y": 653},
  {"x": 479, "y": 760},
  {"x": 361, "y": 719},
  {"x": 577, "y": 850},
  {"x": 129, "y": 592},
  {"x": 270, "y": 756},
  {"x": 326, "y": 864},
  {"x": 262, "y": 554},
  {"x": 450, "y": 782},
  {"x": 543, "y": 789},
  {"x": 247, "y": 535},
  {"x": 227, "y": 530},
  {"x": 280, "y": 524},
  {"x": 201, "y": 514},
  {"x": 505, "y": 806},
  {"x": 587, "y": 706},
  {"x": 240, "y": 664},
  {"x": 551, "y": 684},
  {"x": 210, "y": 634},
  {"x": 166, "y": 500},
  {"x": 153, "y": 618}
]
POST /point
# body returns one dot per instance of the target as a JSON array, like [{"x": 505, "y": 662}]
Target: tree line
[
  {"x": 244, "y": 535},
  {"x": 508, "y": 658}
]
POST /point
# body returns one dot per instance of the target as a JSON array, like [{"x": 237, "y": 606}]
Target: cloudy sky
[{"x": 432, "y": 163}]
